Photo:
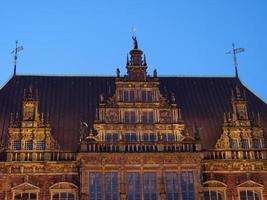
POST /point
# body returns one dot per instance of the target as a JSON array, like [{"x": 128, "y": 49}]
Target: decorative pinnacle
[
  {"x": 127, "y": 62},
  {"x": 145, "y": 64}
]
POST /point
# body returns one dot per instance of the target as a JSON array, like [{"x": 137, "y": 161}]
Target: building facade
[{"x": 134, "y": 136}]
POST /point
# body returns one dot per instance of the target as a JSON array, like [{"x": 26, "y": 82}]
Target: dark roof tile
[{"x": 70, "y": 100}]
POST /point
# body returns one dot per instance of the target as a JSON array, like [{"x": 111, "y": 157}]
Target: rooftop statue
[{"x": 135, "y": 42}]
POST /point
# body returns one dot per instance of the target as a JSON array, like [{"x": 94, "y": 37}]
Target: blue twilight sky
[{"x": 179, "y": 37}]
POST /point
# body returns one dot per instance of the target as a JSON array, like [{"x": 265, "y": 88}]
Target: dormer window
[
  {"x": 29, "y": 145},
  {"x": 149, "y": 137},
  {"x": 244, "y": 143},
  {"x": 16, "y": 145},
  {"x": 128, "y": 96},
  {"x": 256, "y": 143},
  {"x": 233, "y": 144},
  {"x": 147, "y": 117},
  {"x": 130, "y": 137},
  {"x": 111, "y": 137},
  {"x": 40, "y": 145},
  {"x": 146, "y": 95},
  {"x": 129, "y": 117}
]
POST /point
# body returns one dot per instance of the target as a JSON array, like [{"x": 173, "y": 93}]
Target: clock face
[{"x": 112, "y": 116}]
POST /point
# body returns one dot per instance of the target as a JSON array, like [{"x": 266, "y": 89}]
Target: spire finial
[
  {"x": 15, "y": 52},
  {"x": 234, "y": 52}
]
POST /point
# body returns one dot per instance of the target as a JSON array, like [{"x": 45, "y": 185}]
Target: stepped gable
[{"x": 70, "y": 100}]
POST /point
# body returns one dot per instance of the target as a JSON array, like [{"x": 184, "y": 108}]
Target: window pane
[
  {"x": 244, "y": 143},
  {"x": 146, "y": 96},
  {"x": 233, "y": 144},
  {"x": 130, "y": 137},
  {"x": 131, "y": 95},
  {"x": 256, "y": 143},
  {"x": 147, "y": 117},
  {"x": 149, "y": 96},
  {"x": 28, "y": 145},
  {"x": 111, "y": 191},
  {"x": 125, "y": 96},
  {"x": 108, "y": 137},
  {"x": 243, "y": 195},
  {"x": 70, "y": 196},
  {"x": 56, "y": 196},
  {"x": 95, "y": 186},
  {"x": 40, "y": 145},
  {"x": 213, "y": 195},
  {"x": 220, "y": 196},
  {"x": 164, "y": 137},
  {"x": 132, "y": 120},
  {"x": 146, "y": 137},
  {"x": 129, "y": 117},
  {"x": 63, "y": 196},
  {"x": 152, "y": 137},
  {"x": 257, "y": 196},
  {"x": 171, "y": 181},
  {"x": 133, "y": 137},
  {"x": 150, "y": 186},
  {"x": 16, "y": 145},
  {"x": 206, "y": 195},
  {"x": 171, "y": 137},
  {"x": 133, "y": 186},
  {"x": 115, "y": 137},
  {"x": 187, "y": 186}
]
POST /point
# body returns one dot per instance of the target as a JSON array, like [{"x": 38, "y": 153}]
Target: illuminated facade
[{"x": 133, "y": 136}]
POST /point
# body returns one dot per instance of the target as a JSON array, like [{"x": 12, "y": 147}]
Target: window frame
[
  {"x": 20, "y": 189},
  {"x": 41, "y": 143},
  {"x": 28, "y": 143},
  {"x": 132, "y": 117},
  {"x": 145, "y": 96},
  {"x": 15, "y": 143},
  {"x": 147, "y": 117},
  {"x": 215, "y": 186},
  {"x": 69, "y": 188},
  {"x": 251, "y": 186}
]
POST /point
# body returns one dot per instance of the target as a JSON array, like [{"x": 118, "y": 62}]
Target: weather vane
[
  {"x": 235, "y": 51},
  {"x": 15, "y": 52}
]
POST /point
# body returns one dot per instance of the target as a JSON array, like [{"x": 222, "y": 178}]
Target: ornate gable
[
  {"x": 250, "y": 184},
  {"x": 29, "y": 132},
  {"x": 138, "y": 112},
  {"x": 240, "y": 130},
  {"x": 25, "y": 187}
]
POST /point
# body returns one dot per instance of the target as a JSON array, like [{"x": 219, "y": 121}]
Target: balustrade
[
  {"x": 138, "y": 147},
  {"x": 244, "y": 154}
]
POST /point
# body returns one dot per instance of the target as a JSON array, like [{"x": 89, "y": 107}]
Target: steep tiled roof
[{"x": 70, "y": 100}]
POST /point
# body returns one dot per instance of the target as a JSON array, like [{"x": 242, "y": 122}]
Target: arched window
[{"x": 64, "y": 191}]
